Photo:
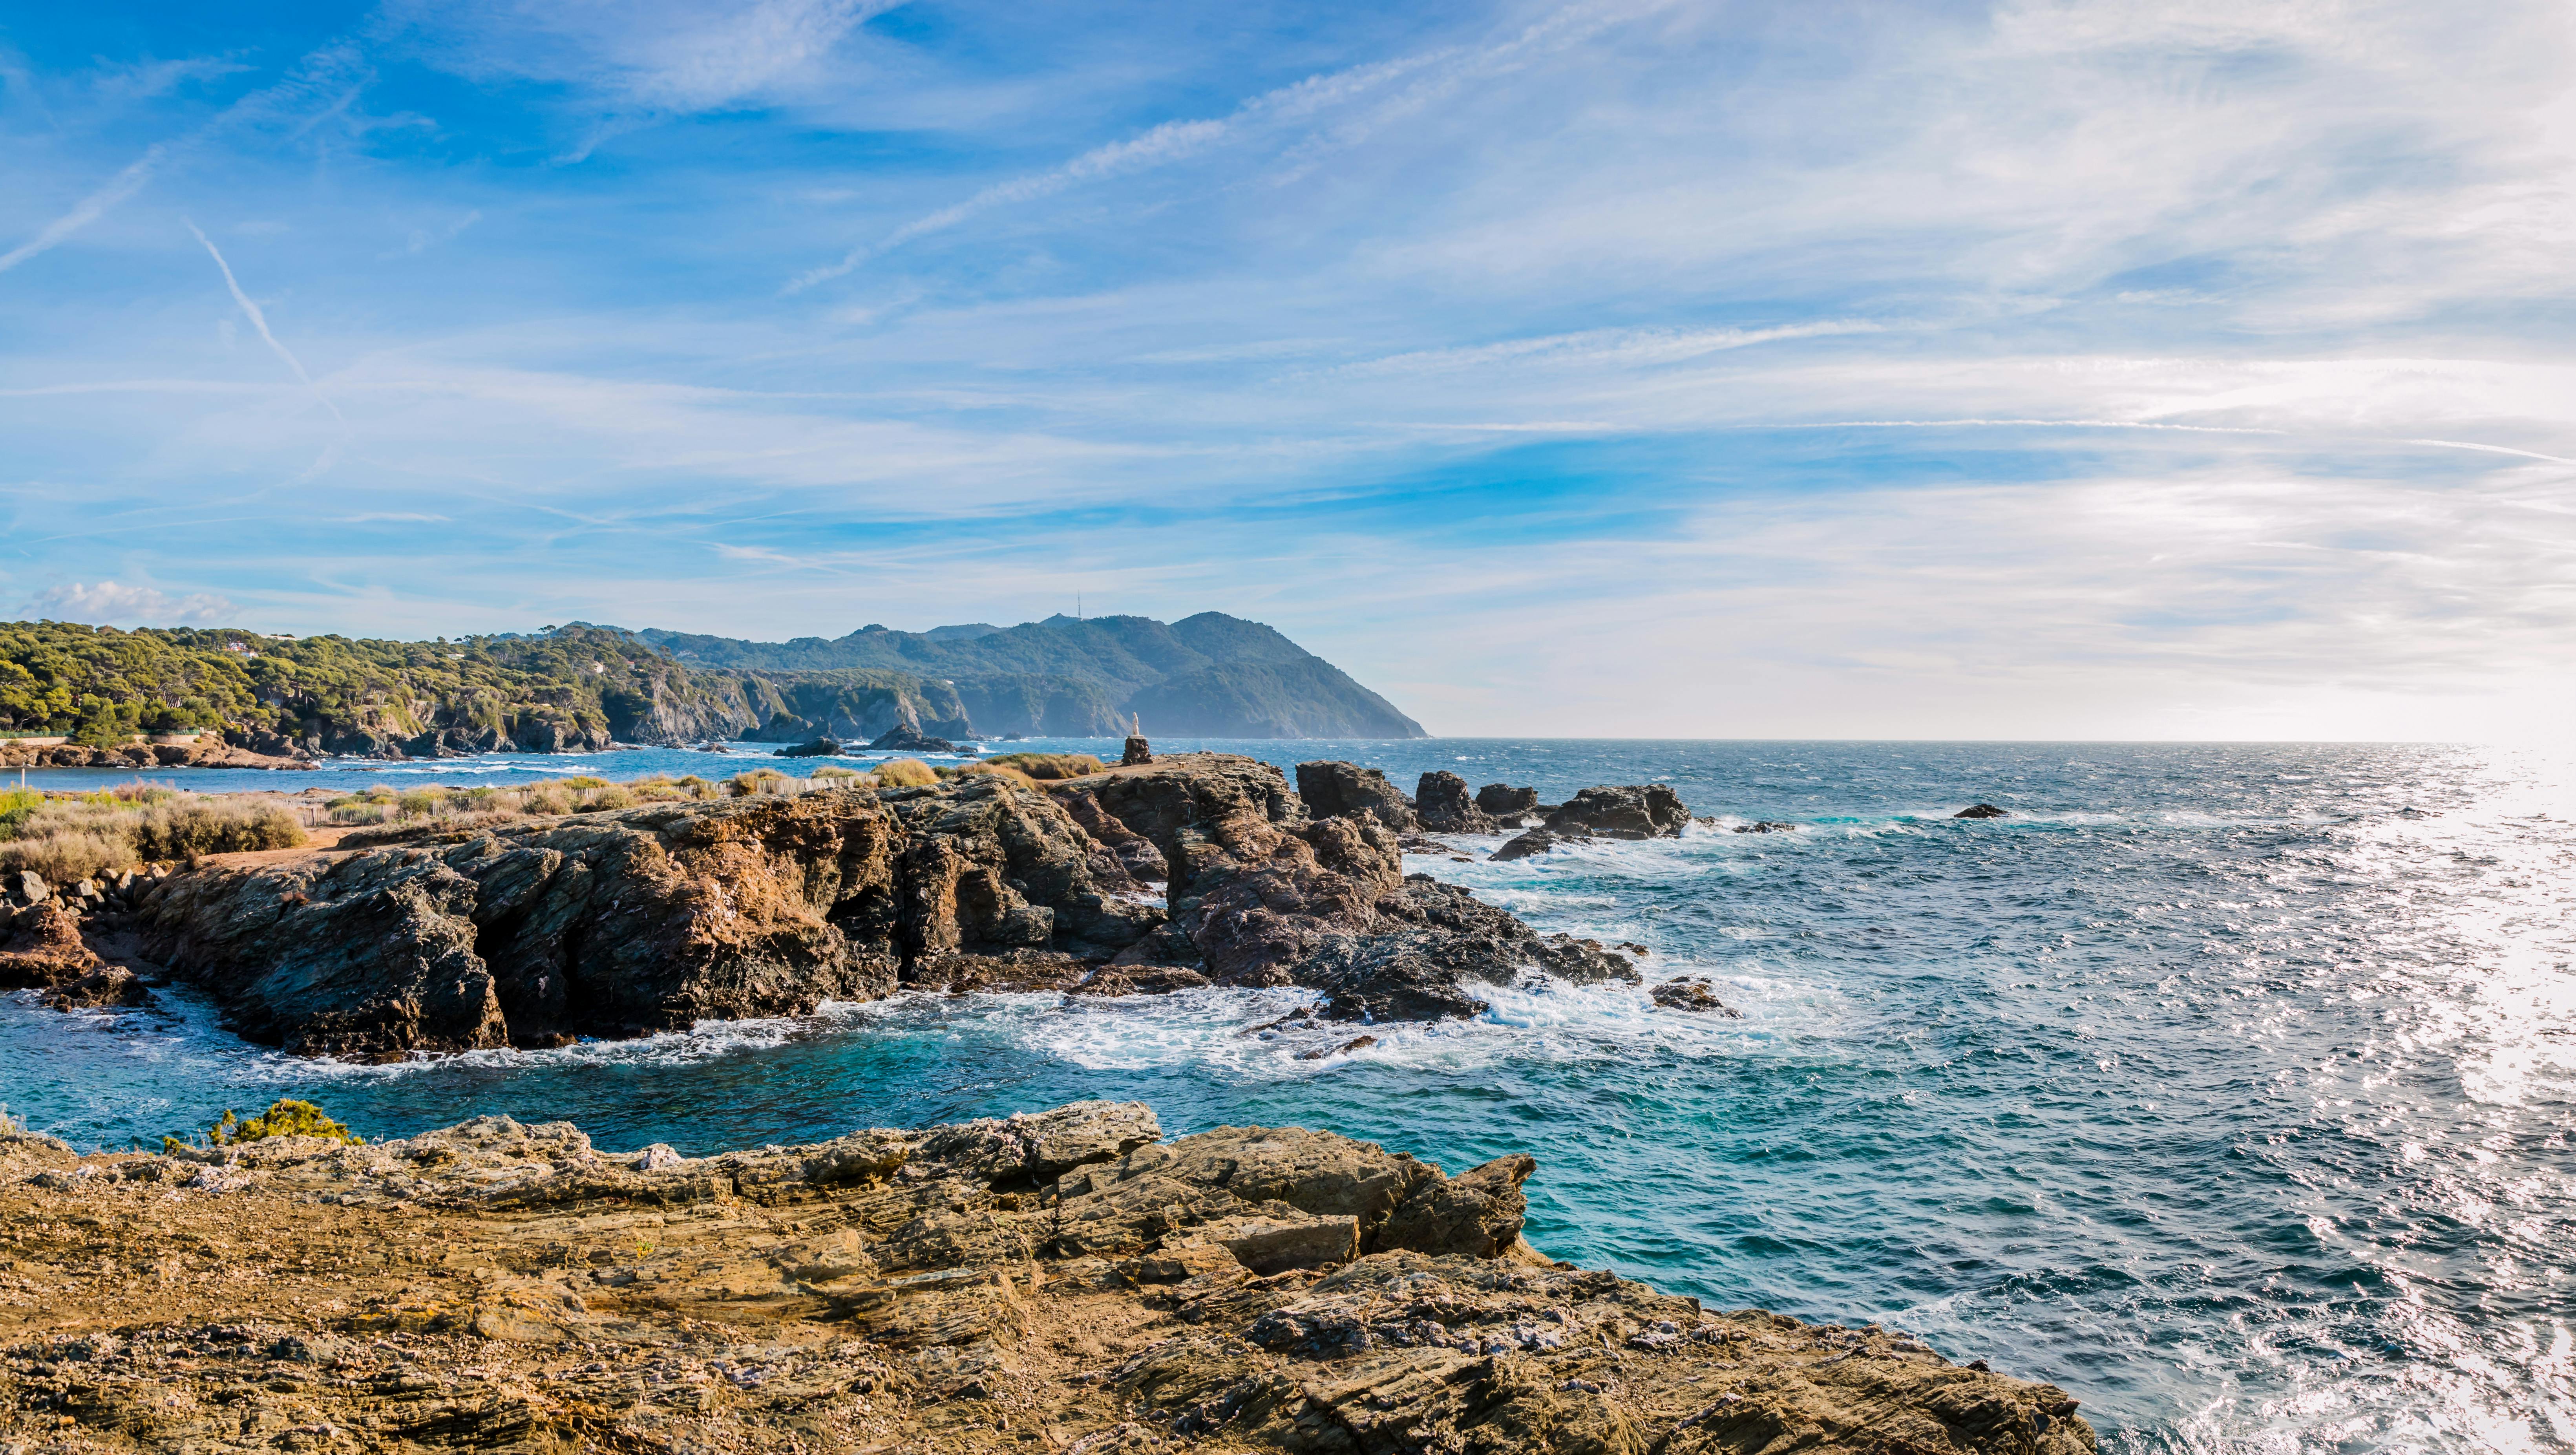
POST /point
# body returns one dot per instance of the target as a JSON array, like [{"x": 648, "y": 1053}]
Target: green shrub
[
  {"x": 195, "y": 826},
  {"x": 285, "y": 1117},
  {"x": 611, "y": 796},
  {"x": 420, "y": 802},
  {"x": 17, "y": 805},
  {"x": 69, "y": 853},
  {"x": 1049, "y": 765},
  {"x": 905, "y": 773}
]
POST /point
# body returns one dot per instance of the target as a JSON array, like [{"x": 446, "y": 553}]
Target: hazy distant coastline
[{"x": 83, "y": 696}]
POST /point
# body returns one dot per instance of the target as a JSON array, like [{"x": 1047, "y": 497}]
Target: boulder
[
  {"x": 1982, "y": 810},
  {"x": 903, "y": 737},
  {"x": 1346, "y": 790},
  {"x": 1693, "y": 994},
  {"x": 1536, "y": 841},
  {"x": 1637, "y": 811},
  {"x": 108, "y": 986},
  {"x": 41, "y": 946},
  {"x": 1138, "y": 752},
  {"x": 1441, "y": 803},
  {"x": 1502, "y": 801},
  {"x": 819, "y": 748}
]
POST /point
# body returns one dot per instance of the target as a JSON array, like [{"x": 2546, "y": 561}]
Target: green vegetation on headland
[
  {"x": 67, "y": 838},
  {"x": 583, "y": 688}
]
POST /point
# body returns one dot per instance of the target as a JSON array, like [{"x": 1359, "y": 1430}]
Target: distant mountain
[{"x": 1209, "y": 675}]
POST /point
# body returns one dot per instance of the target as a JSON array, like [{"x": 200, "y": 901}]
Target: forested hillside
[{"x": 581, "y": 687}]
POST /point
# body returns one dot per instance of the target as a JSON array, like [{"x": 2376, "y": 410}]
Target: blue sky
[{"x": 2163, "y": 370}]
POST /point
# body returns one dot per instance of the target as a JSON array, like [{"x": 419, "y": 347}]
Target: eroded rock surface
[
  {"x": 1064, "y": 1281},
  {"x": 1441, "y": 802},
  {"x": 1637, "y": 811},
  {"x": 645, "y": 919},
  {"x": 532, "y": 932},
  {"x": 1263, "y": 894},
  {"x": 1346, "y": 790}
]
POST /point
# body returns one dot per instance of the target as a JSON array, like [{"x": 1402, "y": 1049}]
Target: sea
[{"x": 2228, "y": 1086}]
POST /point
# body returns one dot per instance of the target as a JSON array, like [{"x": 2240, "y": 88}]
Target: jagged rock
[
  {"x": 819, "y": 748},
  {"x": 1441, "y": 803},
  {"x": 1262, "y": 895},
  {"x": 643, "y": 919},
  {"x": 1536, "y": 841},
  {"x": 1766, "y": 827},
  {"x": 1982, "y": 810},
  {"x": 1638, "y": 811},
  {"x": 1138, "y": 752},
  {"x": 109, "y": 985},
  {"x": 1249, "y": 1289},
  {"x": 1693, "y": 994},
  {"x": 1346, "y": 790},
  {"x": 1502, "y": 801},
  {"x": 1477, "y": 1214},
  {"x": 41, "y": 946},
  {"x": 903, "y": 737}
]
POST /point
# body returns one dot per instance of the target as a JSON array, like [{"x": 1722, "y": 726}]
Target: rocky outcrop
[
  {"x": 41, "y": 945},
  {"x": 905, "y": 738},
  {"x": 1639, "y": 811},
  {"x": 1064, "y": 1281},
  {"x": 1261, "y": 893},
  {"x": 533, "y": 932},
  {"x": 207, "y": 751},
  {"x": 1441, "y": 804},
  {"x": 644, "y": 919},
  {"x": 1982, "y": 810},
  {"x": 819, "y": 748},
  {"x": 1693, "y": 993},
  {"x": 1521, "y": 846},
  {"x": 1138, "y": 752},
  {"x": 1346, "y": 790},
  {"x": 1506, "y": 805}
]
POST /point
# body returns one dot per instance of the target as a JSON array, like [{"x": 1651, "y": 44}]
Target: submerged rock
[
  {"x": 1536, "y": 841},
  {"x": 1765, "y": 827},
  {"x": 1692, "y": 993},
  {"x": 1982, "y": 810},
  {"x": 819, "y": 748}
]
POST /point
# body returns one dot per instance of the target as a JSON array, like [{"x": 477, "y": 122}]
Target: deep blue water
[{"x": 2227, "y": 1086}]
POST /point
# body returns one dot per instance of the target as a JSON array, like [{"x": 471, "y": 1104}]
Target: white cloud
[
  {"x": 672, "y": 56},
  {"x": 115, "y": 603}
]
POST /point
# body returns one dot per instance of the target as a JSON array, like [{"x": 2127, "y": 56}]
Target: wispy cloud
[
  {"x": 259, "y": 320},
  {"x": 121, "y": 604}
]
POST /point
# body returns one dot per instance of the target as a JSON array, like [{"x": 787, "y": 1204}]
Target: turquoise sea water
[{"x": 2227, "y": 1086}]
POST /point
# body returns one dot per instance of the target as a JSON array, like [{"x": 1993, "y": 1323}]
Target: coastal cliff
[{"x": 1066, "y": 1281}]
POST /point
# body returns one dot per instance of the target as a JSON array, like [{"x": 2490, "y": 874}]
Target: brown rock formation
[
  {"x": 1440, "y": 801},
  {"x": 1058, "y": 1282}
]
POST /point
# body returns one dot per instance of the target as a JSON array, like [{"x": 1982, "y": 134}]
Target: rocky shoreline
[
  {"x": 1068, "y": 1281},
  {"x": 502, "y": 930}
]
